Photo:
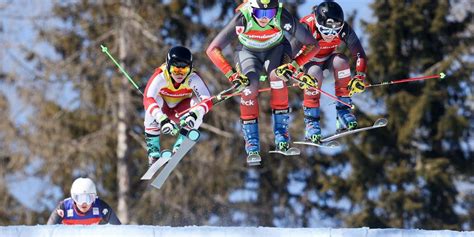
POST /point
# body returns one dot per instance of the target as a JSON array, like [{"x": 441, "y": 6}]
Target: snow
[{"x": 206, "y": 231}]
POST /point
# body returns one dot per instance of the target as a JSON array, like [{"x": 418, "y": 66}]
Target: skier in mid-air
[
  {"x": 83, "y": 207},
  {"x": 261, "y": 27},
  {"x": 173, "y": 88},
  {"x": 327, "y": 25}
]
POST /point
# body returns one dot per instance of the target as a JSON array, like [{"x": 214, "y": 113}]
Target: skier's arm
[
  {"x": 57, "y": 215},
  {"x": 152, "y": 105},
  {"x": 355, "y": 47},
  {"x": 299, "y": 32},
  {"x": 224, "y": 38},
  {"x": 202, "y": 92},
  {"x": 110, "y": 217}
]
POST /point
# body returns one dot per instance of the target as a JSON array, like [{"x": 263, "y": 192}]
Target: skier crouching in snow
[
  {"x": 260, "y": 26},
  {"x": 83, "y": 207},
  {"x": 173, "y": 88},
  {"x": 327, "y": 25}
]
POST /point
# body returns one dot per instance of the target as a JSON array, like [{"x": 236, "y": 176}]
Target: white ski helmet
[{"x": 83, "y": 190}]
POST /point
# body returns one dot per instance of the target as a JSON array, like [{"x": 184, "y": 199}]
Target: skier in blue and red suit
[
  {"x": 83, "y": 207},
  {"x": 261, "y": 27},
  {"x": 327, "y": 25}
]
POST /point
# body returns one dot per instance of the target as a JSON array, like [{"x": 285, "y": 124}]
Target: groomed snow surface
[{"x": 204, "y": 231}]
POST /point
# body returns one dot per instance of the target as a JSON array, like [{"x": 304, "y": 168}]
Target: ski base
[
  {"x": 292, "y": 151},
  {"x": 253, "y": 160},
  {"x": 330, "y": 144},
  {"x": 167, "y": 156},
  {"x": 154, "y": 168},
  {"x": 379, "y": 123}
]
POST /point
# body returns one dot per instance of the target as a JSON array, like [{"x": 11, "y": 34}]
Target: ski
[
  {"x": 379, "y": 123},
  {"x": 189, "y": 141},
  {"x": 253, "y": 159},
  {"x": 330, "y": 144},
  {"x": 165, "y": 157},
  {"x": 292, "y": 151}
]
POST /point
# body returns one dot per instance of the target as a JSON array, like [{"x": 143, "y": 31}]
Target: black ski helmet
[
  {"x": 329, "y": 10},
  {"x": 179, "y": 56},
  {"x": 264, "y": 4}
]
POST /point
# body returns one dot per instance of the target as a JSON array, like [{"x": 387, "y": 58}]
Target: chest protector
[
  {"x": 253, "y": 36},
  {"x": 72, "y": 216},
  {"x": 172, "y": 95}
]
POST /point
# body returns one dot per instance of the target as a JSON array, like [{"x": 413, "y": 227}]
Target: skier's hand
[
  {"x": 356, "y": 85},
  {"x": 188, "y": 120},
  {"x": 307, "y": 82},
  {"x": 286, "y": 71},
  {"x": 168, "y": 126},
  {"x": 239, "y": 80}
]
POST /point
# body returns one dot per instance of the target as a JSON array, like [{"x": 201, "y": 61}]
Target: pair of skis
[
  {"x": 327, "y": 142},
  {"x": 170, "y": 160}
]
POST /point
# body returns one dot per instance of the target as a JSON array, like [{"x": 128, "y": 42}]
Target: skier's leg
[
  {"x": 311, "y": 104},
  {"x": 342, "y": 76},
  {"x": 152, "y": 138},
  {"x": 250, "y": 65},
  {"x": 279, "y": 98}
]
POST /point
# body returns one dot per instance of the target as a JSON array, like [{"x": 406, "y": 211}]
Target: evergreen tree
[{"x": 405, "y": 176}]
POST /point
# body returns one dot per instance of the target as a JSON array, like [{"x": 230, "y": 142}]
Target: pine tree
[{"x": 404, "y": 176}]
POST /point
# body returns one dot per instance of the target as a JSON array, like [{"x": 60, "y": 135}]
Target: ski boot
[
  {"x": 252, "y": 141},
  {"x": 153, "y": 147},
  {"x": 312, "y": 128},
  {"x": 280, "y": 129},
  {"x": 282, "y": 137},
  {"x": 345, "y": 119}
]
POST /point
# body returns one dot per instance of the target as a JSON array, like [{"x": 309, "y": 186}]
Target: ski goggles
[
  {"x": 81, "y": 198},
  {"x": 328, "y": 31},
  {"x": 260, "y": 13},
  {"x": 180, "y": 69}
]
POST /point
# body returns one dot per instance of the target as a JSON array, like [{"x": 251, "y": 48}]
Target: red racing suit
[
  {"x": 329, "y": 58},
  {"x": 163, "y": 96}
]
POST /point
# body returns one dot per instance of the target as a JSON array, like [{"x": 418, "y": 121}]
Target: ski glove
[
  {"x": 286, "y": 71},
  {"x": 307, "y": 81},
  {"x": 356, "y": 85},
  {"x": 168, "y": 126},
  {"x": 189, "y": 119},
  {"x": 238, "y": 79}
]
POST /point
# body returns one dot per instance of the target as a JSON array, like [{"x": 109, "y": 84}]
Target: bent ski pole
[
  {"x": 215, "y": 100},
  {"x": 324, "y": 93},
  {"x": 441, "y": 76},
  {"x": 106, "y": 51},
  {"x": 223, "y": 96}
]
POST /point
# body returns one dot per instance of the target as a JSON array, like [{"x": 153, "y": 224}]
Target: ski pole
[
  {"x": 440, "y": 75},
  {"x": 106, "y": 51},
  {"x": 222, "y": 96},
  {"x": 324, "y": 93}
]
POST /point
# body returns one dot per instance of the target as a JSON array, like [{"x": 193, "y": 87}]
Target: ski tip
[
  {"x": 442, "y": 75},
  {"x": 381, "y": 122}
]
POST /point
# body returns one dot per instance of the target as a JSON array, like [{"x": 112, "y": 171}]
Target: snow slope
[{"x": 204, "y": 231}]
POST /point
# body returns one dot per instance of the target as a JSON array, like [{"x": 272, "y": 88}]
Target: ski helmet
[
  {"x": 179, "y": 56},
  {"x": 83, "y": 190},
  {"x": 329, "y": 14},
  {"x": 264, "y": 4}
]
